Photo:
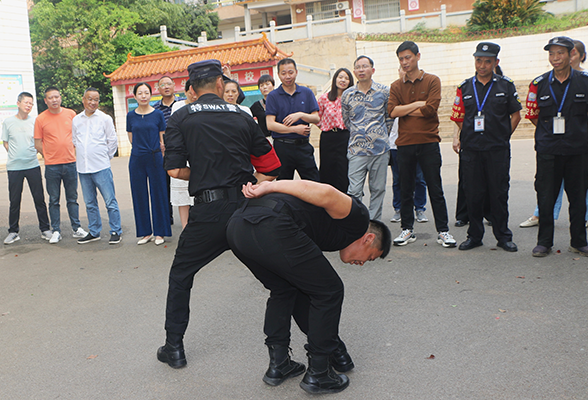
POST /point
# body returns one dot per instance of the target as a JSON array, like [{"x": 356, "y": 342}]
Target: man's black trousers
[
  {"x": 299, "y": 157},
  {"x": 551, "y": 169},
  {"x": 428, "y": 155},
  {"x": 15, "y": 187},
  {"x": 289, "y": 264},
  {"x": 486, "y": 176},
  {"x": 203, "y": 239}
]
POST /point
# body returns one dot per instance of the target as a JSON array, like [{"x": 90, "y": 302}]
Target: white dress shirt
[{"x": 95, "y": 140}]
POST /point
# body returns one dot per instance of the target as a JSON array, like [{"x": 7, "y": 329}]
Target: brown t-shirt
[{"x": 417, "y": 130}]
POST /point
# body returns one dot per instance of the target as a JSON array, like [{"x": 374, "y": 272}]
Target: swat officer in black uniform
[
  {"x": 557, "y": 105},
  {"x": 487, "y": 111},
  {"x": 221, "y": 143},
  {"x": 280, "y": 235}
]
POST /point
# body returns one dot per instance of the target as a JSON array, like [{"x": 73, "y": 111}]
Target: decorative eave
[{"x": 253, "y": 51}]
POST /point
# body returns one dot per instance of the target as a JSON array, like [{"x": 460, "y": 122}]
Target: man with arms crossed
[
  {"x": 53, "y": 140},
  {"x": 364, "y": 112},
  {"x": 289, "y": 111},
  {"x": 280, "y": 235},
  {"x": 95, "y": 140},
  {"x": 17, "y": 135},
  {"x": 415, "y": 100}
]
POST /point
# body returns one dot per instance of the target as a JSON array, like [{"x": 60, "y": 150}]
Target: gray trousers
[{"x": 377, "y": 168}]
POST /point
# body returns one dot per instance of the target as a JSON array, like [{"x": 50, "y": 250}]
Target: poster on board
[{"x": 10, "y": 88}]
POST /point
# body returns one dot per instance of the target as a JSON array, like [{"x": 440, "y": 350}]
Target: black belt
[
  {"x": 210, "y": 195},
  {"x": 291, "y": 141}
]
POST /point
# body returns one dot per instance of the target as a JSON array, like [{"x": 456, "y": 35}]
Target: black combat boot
[
  {"x": 321, "y": 378},
  {"x": 281, "y": 367},
  {"x": 340, "y": 359},
  {"x": 172, "y": 352}
]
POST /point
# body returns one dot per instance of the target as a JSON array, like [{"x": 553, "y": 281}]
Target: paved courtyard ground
[{"x": 84, "y": 322}]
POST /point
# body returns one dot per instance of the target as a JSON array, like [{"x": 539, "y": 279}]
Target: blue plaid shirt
[{"x": 366, "y": 117}]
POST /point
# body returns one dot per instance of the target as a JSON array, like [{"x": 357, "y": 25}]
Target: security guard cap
[
  {"x": 563, "y": 41},
  {"x": 487, "y": 49},
  {"x": 205, "y": 69}
]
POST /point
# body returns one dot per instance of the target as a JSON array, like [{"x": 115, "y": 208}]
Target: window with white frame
[
  {"x": 378, "y": 9},
  {"x": 322, "y": 9}
]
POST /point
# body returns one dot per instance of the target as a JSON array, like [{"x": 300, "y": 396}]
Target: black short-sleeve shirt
[
  {"x": 502, "y": 101},
  {"x": 217, "y": 139},
  {"x": 327, "y": 233}
]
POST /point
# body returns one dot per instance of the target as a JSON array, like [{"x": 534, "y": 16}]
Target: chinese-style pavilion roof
[{"x": 237, "y": 53}]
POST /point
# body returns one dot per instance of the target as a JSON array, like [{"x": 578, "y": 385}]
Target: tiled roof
[{"x": 245, "y": 52}]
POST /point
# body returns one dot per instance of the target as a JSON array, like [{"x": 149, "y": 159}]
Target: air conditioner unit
[{"x": 342, "y": 5}]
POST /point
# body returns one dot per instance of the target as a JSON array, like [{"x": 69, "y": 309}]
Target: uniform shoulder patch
[
  {"x": 462, "y": 83},
  {"x": 506, "y": 78},
  {"x": 538, "y": 79},
  {"x": 585, "y": 73}
]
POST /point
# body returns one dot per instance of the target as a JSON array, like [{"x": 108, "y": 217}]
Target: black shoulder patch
[
  {"x": 461, "y": 84},
  {"x": 199, "y": 107},
  {"x": 538, "y": 79}
]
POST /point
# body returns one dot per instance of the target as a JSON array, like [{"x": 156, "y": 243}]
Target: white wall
[
  {"x": 15, "y": 48},
  {"x": 522, "y": 58}
]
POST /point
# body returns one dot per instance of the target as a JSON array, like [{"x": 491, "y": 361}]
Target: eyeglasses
[
  {"x": 362, "y": 67},
  {"x": 164, "y": 85}
]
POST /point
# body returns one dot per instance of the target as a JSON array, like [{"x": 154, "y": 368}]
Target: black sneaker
[
  {"x": 88, "y": 238},
  {"x": 115, "y": 238}
]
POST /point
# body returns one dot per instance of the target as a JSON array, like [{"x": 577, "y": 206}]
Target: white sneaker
[
  {"x": 46, "y": 234},
  {"x": 421, "y": 217},
  {"x": 406, "y": 237},
  {"x": 55, "y": 238},
  {"x": 80, "y": 233},
  {"x": 446, "y": 240},
  {"x": 396, "y": 217},
  {"x": 11, "y": 238}
]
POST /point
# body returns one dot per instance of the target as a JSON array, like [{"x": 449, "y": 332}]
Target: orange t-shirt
[{"x": 55, "y": 132}]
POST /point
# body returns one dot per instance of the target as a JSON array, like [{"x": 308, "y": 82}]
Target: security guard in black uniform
[
  {"x": 221, "y": 143},
  {"x": 487, "y": 110},
  {"x": 280, "y": 234},
  {"x": 557, "y": 105}
]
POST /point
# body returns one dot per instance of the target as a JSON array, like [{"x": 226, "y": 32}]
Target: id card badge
[
  {"x": 559, "y": 125},
  {"x": 479, "y": 123}
]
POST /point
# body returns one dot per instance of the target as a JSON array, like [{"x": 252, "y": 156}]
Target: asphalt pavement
[{"x": 84, "y": 321}]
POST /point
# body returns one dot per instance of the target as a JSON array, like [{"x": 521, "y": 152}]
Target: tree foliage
[
  {"x": 75, "y": 41},
  {"x": 500, "y": 14},
  {"x": 183, "y": 21}
]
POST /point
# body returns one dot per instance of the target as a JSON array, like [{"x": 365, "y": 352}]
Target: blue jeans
[
  {"x": 101, "y": 180},
  {"x": 67, "y": 173},
  {"x": 420, "y": 189}
]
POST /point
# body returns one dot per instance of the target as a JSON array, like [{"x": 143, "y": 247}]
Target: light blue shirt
[
  {"x": 366, "y": 117},
  {"x": 20, "y": 134}
]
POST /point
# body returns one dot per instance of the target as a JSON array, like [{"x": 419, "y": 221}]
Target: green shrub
[{"x": 500, "y": 14}]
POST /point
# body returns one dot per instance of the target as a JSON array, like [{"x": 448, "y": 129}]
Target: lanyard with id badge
[
  {"x": 479, "y": 119},
  {"x": 559, "y": 122}
]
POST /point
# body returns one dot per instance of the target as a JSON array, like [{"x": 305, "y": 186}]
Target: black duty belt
[
  {"x": 210, "y": 195},
  {"x": 291, "y": 141}
]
